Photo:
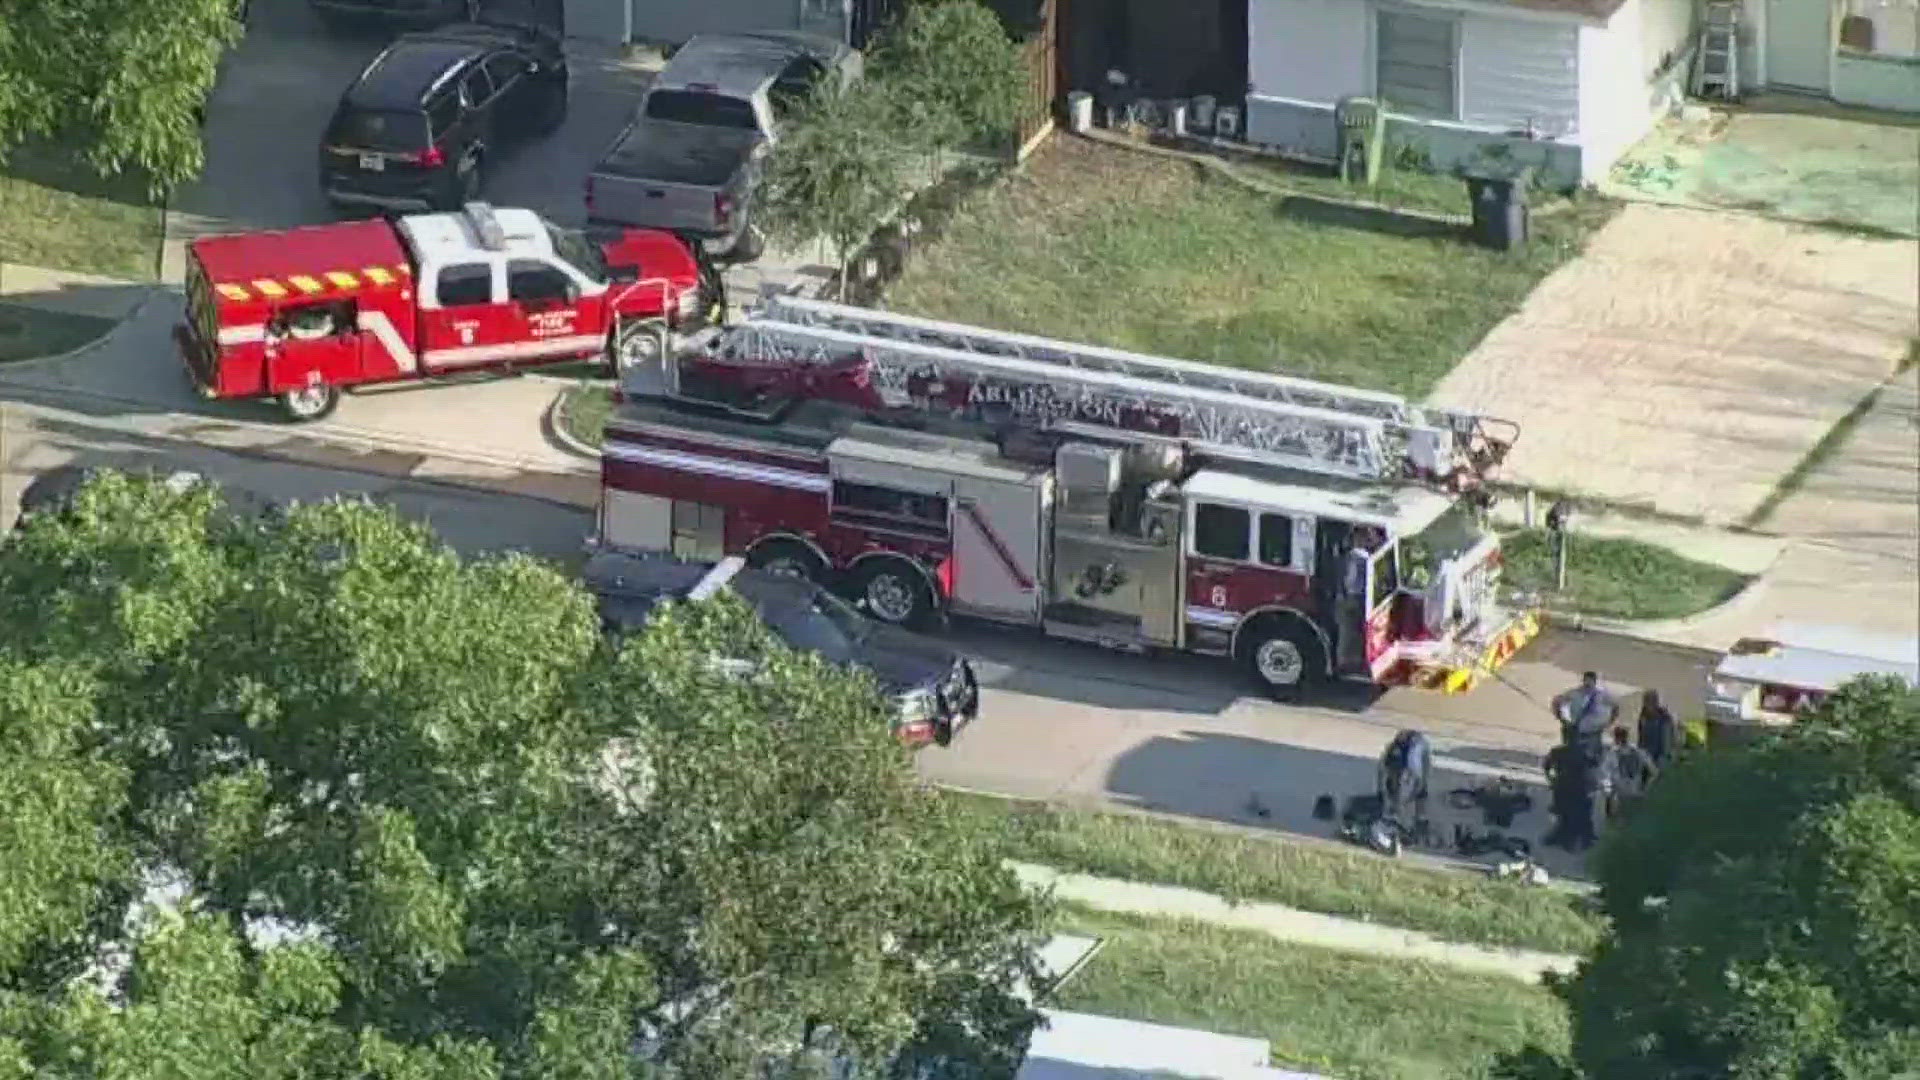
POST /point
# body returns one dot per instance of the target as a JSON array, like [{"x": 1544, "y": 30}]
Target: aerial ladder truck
[{"x": 1303, "y": 529}]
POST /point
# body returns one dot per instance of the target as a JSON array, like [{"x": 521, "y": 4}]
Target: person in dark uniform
[
  {"x": 1655, "y": 729},
  {"x": 1405, "y": 769}
]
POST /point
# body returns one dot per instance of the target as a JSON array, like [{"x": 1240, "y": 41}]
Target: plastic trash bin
[{"x": 1499, "y": 199}]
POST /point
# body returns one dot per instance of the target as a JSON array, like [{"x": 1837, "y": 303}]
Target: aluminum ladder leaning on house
[{"x": 1717, "y": 71}]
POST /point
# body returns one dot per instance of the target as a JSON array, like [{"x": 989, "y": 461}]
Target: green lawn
[
  {"x": 583, "y": 411},
  {"x": 1457, "y": 906},
  {"x": 1617, "y": 578},
  {"x": 1408, "y": 189},
  {"x": 56, "y": 215},
  {"x": 1101, "y": 244},
  {"x": 1353, "y": 1017}
]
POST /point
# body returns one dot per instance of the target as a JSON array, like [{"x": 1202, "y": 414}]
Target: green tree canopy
[
  {"x": 123, "y": 83},
  {"x": 837, "y": 169},
  {"x": 1766, "y": 906},
  {"x": 309, "y": 795},
  {"x": 953, "y": 73}
]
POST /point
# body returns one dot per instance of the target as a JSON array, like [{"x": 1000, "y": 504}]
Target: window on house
[
  {"x": 1418, "y": 64},
  {"x": 1221, "y": 532},
  {"x": 1881, "y": 27}
]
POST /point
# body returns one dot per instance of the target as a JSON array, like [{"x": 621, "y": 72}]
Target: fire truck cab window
[
  {"x": 1221, "y": 532},
  {"x": 890, "y": 502},
  {"x": 529, "y": 281},
  {"x": 1276, "y": 540},
  {"x": 465, "y": 284}
]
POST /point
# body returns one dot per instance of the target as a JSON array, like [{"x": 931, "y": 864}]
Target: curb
[{"x": 554, "y": 427}]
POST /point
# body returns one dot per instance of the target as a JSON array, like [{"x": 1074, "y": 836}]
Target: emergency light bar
[{"x": 486, "y": 227}]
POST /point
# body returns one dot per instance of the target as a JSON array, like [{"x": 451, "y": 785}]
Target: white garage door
[{"x": 1799, "y": 44}]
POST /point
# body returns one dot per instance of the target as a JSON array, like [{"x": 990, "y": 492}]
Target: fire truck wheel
[
  {"x": 893, "y": 592},
  {"x": 637, "y": 342},
  {"x": 1282, "y": 659},
  {"x": 786, "y": 558},
  {"x": 310, "y": 402}
]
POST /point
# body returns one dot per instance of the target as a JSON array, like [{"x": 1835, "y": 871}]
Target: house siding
[
  {"x": 1514, "y": 72},
  {"x": 1633, "y": 71},
  {"x": 1304, "y": 55}
]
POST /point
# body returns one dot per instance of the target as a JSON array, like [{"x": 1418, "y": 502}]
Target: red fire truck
[
  {"x": 299, "y": 315},
  {"x": 1306, "y": 530}
]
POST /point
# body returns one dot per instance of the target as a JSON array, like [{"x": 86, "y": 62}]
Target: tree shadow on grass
[
  {"x": 57, "y": 167},
  {"x": 1378, "y": 220}
]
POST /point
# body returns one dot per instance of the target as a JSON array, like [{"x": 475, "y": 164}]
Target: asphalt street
[{"x": 1059, "y": 721}]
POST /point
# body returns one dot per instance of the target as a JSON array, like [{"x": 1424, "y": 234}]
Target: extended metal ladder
[
  {"x": 1248, "y": 416},
  {"x": 1717, "y": 72}
]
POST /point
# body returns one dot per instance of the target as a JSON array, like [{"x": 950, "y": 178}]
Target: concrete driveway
[
  {"x": 1690, "y": 358},
  {"x": 278, "y": 89},
  {"x": 1785, "y": 156}
]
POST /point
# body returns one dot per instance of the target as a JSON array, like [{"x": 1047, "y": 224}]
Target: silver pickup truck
[{"x": 687, "y": 161}]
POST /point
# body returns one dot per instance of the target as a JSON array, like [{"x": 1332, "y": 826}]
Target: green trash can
[
  {"x": 1499, "y": 197},
  {"x": 1362, "y": 134}
]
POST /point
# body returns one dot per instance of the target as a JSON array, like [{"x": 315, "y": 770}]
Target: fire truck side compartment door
[
  {"x": 998, "y": 540},
  {"x": 633, "y": 521},
  {"x": 1383, "y": 589}
]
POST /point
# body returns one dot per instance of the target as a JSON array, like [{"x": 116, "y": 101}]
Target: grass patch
[
  {"x": 1354, "y": 1017},
  {"x": 1403, "y": 189},
  {"x": 55, "y": 214},
  {"x": 1105, "y": 245},
  {"x": 1243, "y": 867},
  {"x": 28, "y": 333},
  {"x": 583, "y": 412},
  {"x": 1617, "y": 578}
]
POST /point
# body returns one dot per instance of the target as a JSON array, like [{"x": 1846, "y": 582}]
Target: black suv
[
  {"x": 414, "y": 131},
  {"x": 933, "y": 688}
]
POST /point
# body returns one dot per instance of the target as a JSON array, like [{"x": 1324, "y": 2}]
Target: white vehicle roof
[
  {"x": 1401, "y": 509},
  {"x": 454, "y": 237},
  {"x": 1821, "y": 657}
]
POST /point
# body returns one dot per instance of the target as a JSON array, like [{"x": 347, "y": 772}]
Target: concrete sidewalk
[
  {"x": 1291, "y": 924},
  {"x": 1841, "y": 550}
]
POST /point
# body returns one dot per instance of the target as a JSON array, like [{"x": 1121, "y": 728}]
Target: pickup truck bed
[{"x": 687, "y": 154}]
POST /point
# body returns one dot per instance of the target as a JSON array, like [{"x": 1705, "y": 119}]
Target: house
[
  {"x": 1857, "y": 52},
  {"x": 674, "y": 21},
  {"x": 1565, "y": 85}
]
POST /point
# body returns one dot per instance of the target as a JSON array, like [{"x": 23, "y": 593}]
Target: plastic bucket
[{"x": 1080, "y": 111}]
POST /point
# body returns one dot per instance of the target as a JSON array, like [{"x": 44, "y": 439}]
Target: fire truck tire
[
  {"x": 635, "y": 342},
  {"x": 310, "y": 403},
  {"x": 787, "y": 558},
  {"x": 1281, "y": 658},
  {"x": 891, "y": 591}
]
